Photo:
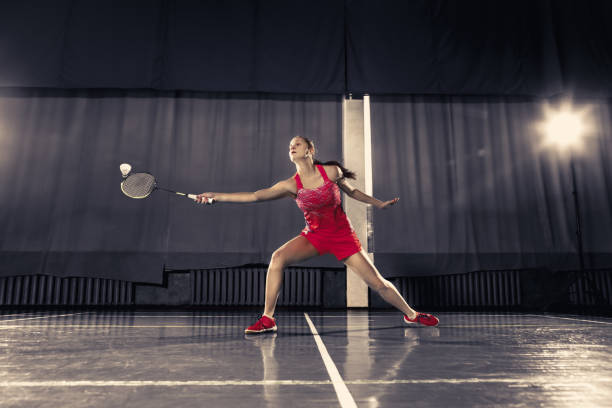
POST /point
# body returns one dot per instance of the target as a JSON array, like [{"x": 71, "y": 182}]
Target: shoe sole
[
  {"x": 272, "y": 329},
  {"x": 427, "y": 325}
]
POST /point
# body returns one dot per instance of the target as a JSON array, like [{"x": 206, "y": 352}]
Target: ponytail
[{"x": 346, "y": 173}]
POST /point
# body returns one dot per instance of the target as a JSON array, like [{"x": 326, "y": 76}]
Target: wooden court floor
[{"x": 317, "y": 359}]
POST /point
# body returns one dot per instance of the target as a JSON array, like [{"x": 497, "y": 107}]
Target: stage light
[{"x": 565, "y": 128}]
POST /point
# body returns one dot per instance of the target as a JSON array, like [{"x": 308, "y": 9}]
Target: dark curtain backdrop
[
  {"x": 583, "y": 34},
  {"x": 226, "y": 46},
  {"x": 467, "y": 47},
  {"x": 452, "y": 47},
  {"x": 61, "y": 209},
  {"x": 478, "y": 191}
]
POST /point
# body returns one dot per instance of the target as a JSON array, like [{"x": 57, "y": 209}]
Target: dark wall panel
[
  {"x": 452, "y": 47},
  {"x": 229, "y": 46},
  {"x": 211, "y": 47},
  {"x": 112, "y": 44},
  {"x": 269, "y": 46},
  {"x": 32, "y": 35},
  {"x": 522, "y": 47},
  {"x": 584, "y": 37}
]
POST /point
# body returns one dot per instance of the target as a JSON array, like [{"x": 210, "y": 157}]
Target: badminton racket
[{"x": 141, "y": 185}]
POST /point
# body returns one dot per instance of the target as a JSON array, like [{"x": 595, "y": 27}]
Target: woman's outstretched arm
[
  {"x": 278, "y": 190},
  {"x": 357, "y": 194}
]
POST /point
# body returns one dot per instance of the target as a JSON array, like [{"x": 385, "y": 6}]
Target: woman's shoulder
[
  {"x": 290, "y": 184},
  {"x": 333, "y": 172}
]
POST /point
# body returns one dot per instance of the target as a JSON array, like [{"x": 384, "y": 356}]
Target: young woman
[{"x": 316, "y": 190}]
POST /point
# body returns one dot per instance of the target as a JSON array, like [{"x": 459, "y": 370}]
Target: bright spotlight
[{"x": 564, "y": 128}]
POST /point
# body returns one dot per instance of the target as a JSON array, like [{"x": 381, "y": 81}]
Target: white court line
[
  {"x": 121, "y": 317},
  {"x": 570, "y": 318},
  {"x": 534, "y": 381},
  {"x": 344, "y": 395},
  {"x": 42, "y": 317},
  {"x": 215, "y": 383},
  {"x": 19, "y": 314},
  {"x": 155, "y": 383},
  {"x": 129, "y": 326},
  {"x": 367, "y": 314},
  {"x": 25, "y": 314},
  {"x": 172, "y": 316},
  {"x": 6, "y": 318}
]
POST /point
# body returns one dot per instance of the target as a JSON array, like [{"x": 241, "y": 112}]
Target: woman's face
[{"x": 298, "y": 148}]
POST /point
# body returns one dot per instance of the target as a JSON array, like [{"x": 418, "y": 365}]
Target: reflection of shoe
[
  {"x": 423, "y": 318},
  {"x": 263, "y": 325},
  {"x": 266, "y": 340}
]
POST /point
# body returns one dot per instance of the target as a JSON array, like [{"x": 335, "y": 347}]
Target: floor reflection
[
  {"x": 267, "y": 344},
  {"x": 483, "y": 357},
  {"x": 367, "y": 339}
]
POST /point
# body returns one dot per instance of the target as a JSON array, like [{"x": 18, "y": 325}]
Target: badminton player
[{"x": 316, "y": 190}]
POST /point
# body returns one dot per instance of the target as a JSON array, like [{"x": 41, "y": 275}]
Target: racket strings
[{"x": 138, "y": 185}]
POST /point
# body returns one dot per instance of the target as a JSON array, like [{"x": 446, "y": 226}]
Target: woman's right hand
[{"x": 205, "y": 198}]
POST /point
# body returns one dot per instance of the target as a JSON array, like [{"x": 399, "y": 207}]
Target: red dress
[{"x": 327, "y": 227}]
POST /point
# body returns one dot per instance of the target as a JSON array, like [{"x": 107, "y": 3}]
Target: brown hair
[{"x": 346, "y": 173}]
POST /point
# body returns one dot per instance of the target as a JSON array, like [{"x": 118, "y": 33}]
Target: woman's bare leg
[
  {"x": 296, "y": 250},
  {"x": 361, "y": 264}
]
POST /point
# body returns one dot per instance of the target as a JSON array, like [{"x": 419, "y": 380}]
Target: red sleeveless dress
[{"x": 327, "y": 227}]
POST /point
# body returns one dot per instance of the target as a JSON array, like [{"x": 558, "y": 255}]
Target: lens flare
[{"x": 564, "y": 128}]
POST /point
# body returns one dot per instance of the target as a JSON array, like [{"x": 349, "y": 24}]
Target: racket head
[{"x": 138, "y": 185}]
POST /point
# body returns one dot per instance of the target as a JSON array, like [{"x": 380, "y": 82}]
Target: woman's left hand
[{"x": 386, "y": 204}]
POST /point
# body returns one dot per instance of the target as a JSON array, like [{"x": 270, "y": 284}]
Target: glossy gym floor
[{"x": 317, "y": 359}]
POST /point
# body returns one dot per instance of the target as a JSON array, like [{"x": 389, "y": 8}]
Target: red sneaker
[
  {"x": 423, "y": 318},
  {"x": 263, "y": 325}
]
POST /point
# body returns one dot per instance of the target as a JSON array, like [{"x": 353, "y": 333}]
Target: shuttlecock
[{"x": 125, "y": 169}]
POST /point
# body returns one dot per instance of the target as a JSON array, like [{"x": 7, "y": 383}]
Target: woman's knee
[{"x": 278, "y": 259}]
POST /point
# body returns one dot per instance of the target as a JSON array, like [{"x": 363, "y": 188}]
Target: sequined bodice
[{"x": 322, "y": 206}]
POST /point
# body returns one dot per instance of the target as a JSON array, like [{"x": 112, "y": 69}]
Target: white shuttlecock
[{"x": 125, "y": 169}]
